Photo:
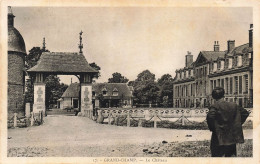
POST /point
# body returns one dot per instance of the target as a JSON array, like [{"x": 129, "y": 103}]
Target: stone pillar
[
  {"x": 96, "y": 103},
  {"x": 27, "y": 110},
  {"x": 39, "y": 98},
  {"x": 86, "y": 98}
]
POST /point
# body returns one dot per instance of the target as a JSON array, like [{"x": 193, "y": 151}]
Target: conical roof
[{"x": 15, "y": 39}]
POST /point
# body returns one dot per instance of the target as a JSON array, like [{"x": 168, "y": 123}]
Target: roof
[
  {"x": 63, "y": 62},
  {"x": 15, "y": 40},
  {"x": 239, "y": 49},
  {"x": 72, "y": 91},
  {"x": 122, "y": 88},
  {"x": 213, "y": 55}
]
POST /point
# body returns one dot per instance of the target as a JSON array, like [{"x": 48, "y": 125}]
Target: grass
[{"x": 198, "y": 149}]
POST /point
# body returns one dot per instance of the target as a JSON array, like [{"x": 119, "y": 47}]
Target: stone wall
[{"x": 15, "y": 83}]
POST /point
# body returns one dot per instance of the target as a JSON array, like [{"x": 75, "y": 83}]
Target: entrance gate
[{"x": 62, "y": 63}]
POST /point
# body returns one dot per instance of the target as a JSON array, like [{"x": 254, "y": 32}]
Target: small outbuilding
[{"x": 104, "y": 95}]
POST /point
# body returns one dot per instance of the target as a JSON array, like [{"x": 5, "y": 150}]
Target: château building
[{"x": 231, "y": 69}]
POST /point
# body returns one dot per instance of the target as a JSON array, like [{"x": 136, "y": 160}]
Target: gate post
[
  {"x": 128, "y": 119},
  {"x": 86, "y": 96},
  {"x": 155, "y": 121},
  {"x": 39, "y": 94}
]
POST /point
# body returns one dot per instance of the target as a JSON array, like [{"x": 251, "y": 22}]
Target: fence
[
  {"x": 25, "y": 121},
  {"x": 154, "y": 114}
]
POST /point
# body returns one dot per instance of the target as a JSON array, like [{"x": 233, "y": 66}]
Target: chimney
[
  {"x": 230, "y": 45},
  {"x": 251, "y": 36},
  {"x": 189, "y": 59},
  {"x": 216, "y": 46},
  {"x": 10, "y": 17}
]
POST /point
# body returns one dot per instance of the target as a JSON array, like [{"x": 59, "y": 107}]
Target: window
[
  {"x": 246, "y": 83},
  {"x": 240, "y": 84},
  {"x": 191, "y": 90},
  {"x": 218, "y": 83},
  {"x": 239, "y": 61},
  {"x": 218, "y": 64},
  {"x": 104, "y": 91},
  {"x": 115, "y": 92},
  {"x": 215, "y": 67},
  {"x": 231, "y": 85},
  {"x": 230, "y": 62},
  {"x": 211, "y": 85},
  {"x": 222, "y": 64},
  {"x": 236, "y": 84},
  {"x": 93, "y": 93},
  {"x": 226, "y": 86},
  {"x": 222, "y": 83}
]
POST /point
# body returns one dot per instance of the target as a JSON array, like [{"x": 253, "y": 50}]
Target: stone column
[
  {"x": 27, "y": 110},
  {"x": 39, "y": 98},
  {"x": 86, "y": 98}
]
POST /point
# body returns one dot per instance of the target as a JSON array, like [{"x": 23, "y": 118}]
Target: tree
[
  {"x": 145, "y": 76},
  {"x": 165, "y": 78},
  {"x": 146, "y": 90},
  {"x": 166, "y": 91},
  {"x": 34, "y": 55},
  {"x": 117, "y": 78},
  {"x": 96, "y": 67}
]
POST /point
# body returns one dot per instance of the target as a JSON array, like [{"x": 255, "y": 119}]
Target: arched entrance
[{"x": 63, "y": 63}]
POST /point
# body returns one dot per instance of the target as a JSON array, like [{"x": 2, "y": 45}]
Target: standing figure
[{"x": 225, "y": 120}]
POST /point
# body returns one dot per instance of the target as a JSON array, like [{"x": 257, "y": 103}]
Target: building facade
[
  {"x": 16, "y": 68},
  {"x": 231, "y": 69},
  {"x": 104, "y": 95}
]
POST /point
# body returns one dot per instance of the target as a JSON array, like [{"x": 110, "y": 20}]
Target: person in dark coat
[{"x": 225, "y": 120}]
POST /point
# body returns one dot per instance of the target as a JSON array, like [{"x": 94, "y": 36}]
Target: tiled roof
[
  {"x": 62, "y": 62},
  {"x": 239, "y": 49},
  {"x": 122, "y": 88},
  {"x": 15, "y": 40},
  {"x": 213, "y": 55},
  {"x": 72, "y": 91}
]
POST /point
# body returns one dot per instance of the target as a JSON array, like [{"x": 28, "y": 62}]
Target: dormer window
[
  {"x": 215, "y": 67},
  {"x": 230, "y": 62},
  {"x": 104, "y": 91},
  {"x": 115, "y": 92},
  {"x": 221, "y": 64},
  {"x": 239, "y": 60},
  {"x": 178, "y": 75}
]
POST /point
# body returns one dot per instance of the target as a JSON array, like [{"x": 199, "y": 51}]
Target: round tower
[{"x": 16, "y": 68}]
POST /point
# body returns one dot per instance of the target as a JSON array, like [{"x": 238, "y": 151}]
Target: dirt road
[{"x": 62, "y": 135}]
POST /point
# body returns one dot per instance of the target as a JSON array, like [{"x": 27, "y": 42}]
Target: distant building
[
  {"x": 231, "y": 69},
  {"x": 16, "y": 68},
  {"x": 104, "y": 95}
]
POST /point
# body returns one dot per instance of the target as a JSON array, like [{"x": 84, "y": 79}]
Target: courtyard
[{"x": 72, "y": 136}]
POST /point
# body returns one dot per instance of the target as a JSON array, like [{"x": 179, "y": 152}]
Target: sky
[{"x": 130, "y": 40}]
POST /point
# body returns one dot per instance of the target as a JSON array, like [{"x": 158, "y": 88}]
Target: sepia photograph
[{"x": 129, "y": 84}]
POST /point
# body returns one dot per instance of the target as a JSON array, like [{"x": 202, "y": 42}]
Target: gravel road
[{"x": 67, "y": 135}]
